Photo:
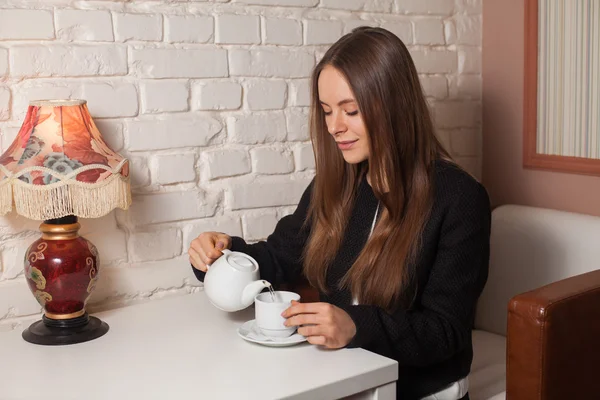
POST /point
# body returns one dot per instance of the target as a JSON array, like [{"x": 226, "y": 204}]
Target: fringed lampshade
[
  {"x": 59, "y": 165},
  {"x": 57, "y": 169}
]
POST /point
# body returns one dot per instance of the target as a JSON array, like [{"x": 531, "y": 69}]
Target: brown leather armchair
[{"x": 553, "y": 341}]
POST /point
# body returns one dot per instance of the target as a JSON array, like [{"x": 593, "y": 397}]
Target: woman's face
[{"x": 342, "y": 116}]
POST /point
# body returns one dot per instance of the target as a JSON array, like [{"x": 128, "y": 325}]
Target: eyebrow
[{"x": 345, "y": 101}]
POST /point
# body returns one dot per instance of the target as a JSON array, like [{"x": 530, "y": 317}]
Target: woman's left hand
[{"x": 321, "y": 323}]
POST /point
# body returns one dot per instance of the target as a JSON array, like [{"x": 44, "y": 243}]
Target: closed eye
[{"x": 353, "y": 113}]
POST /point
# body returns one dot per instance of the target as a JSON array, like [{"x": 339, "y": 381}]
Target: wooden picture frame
[{"x": 532, "y": 158}]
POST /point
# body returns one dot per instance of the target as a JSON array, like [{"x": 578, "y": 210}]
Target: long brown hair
[{"x": 403, "y": 148}]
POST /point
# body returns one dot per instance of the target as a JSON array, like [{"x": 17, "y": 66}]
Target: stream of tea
[{"x": 273, "y": 294}]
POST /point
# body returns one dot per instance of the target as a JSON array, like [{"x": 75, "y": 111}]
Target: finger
[
  {"x": 311, "y": 330},
  {"x": 305, "y": 308},
  {"x": 205, "y": 248},
  {"x": 220, "y": 242},
  {"x": 205, "y": 259},
  {"x": 215, "y": 252},
  {"x": 196, "y": 261},
  {"x": 223, "y": 241},
  {"x": 198, "y": 246},
  {"x": 318, "y": 340},
  {"x": 203, "y": 244},
  {"x": 302, "y": 319}
]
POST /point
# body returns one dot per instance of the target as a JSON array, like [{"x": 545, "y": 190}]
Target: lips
[{"x": 346, "y": 145}]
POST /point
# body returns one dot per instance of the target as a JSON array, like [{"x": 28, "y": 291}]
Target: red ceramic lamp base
[{"x": 62, "y": 269}]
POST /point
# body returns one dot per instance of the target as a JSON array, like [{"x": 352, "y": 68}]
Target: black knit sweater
[{"x": 430, "y": 339}]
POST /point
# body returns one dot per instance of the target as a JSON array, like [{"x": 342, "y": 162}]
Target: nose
[{"x": 335, "y": 123}]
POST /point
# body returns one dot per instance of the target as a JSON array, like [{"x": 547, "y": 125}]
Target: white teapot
[{"x": 232, "y": 282}]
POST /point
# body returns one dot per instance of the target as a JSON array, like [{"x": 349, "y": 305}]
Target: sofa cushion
[
  {"x": 488, "y": 370},
  {"x": 532, "y": 247}
]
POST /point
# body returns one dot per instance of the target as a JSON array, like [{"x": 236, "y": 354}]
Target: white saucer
[{"x": 249, "y": 331}]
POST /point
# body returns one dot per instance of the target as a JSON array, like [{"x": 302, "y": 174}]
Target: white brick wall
[
  {"x": 171, "y": 206},
  {"x": 61, "y": 60},
  {"x": 209, "y": 101},
  {"x": 3, "y": 61},
  {"x": 271, "y": 63},
  {"x": 284, "y": 3},
  {"x": 179, "y": 63},
  {"x": 257, "y": 128},
  {"x": 83, "y": 25},
  {"x": 467, "y": 27},
  {"x": 435, "y": 61},
  {"x": 191, "y": 29},
  {"x": 164, "y": 96},
  {"x": 146, "y": 27},
  {"x": 4, "y": 102},
  {"x": 305, "y": 158},
  {"x": 426, "y": 7},
  {"x": 267, "y": 160},
  {"x": 32, "y": 89},
  {"x": 229, "y": 225},
  {"x": 353, "y": 5},
  {"x": 469, "y": 60},
  {"x": 267, "y": 192},
  {"x": 282, "y": 31},
  {"x": 223, "y": 163},
  {"x": 259, "y": 226},
  {"x": 350, "y": 24},
  {"x": 111, "y": 100},
  {"x": 429, "y": 31},
  {"x": 171, "y": 132},
  {"x": 435, "y": 86},
  {"x": 402, "y": 29},
  {"x": 297, "y": 124},
  {"x": 112, "y": 132},
  {"x": 237, "y": 29},
  {"x": 266, "y": 94},
  {"x": 300, "y": 92},
  {"x": 155, "y": 245},
  {"x": 217, "y": 96},
  {"x": 379, "y": 5},
  {"x": 322, "y": 32},
  {"x": 174, "y": 168},
  {"x": 39, "y": 24}
]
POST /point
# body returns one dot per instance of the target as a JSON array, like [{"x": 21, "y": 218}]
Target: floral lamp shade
[{"x": 59, "y": 165}]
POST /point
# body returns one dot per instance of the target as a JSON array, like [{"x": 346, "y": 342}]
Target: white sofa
[{"x": 530, "y": 247}]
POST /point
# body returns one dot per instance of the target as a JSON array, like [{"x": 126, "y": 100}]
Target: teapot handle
[{"x": 225, "y": 252}]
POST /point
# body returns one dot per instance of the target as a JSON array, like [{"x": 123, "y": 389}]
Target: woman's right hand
[{"x": 206, "y": 248}]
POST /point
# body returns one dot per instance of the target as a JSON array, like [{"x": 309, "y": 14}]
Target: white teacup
[{"x": 268, "y": 313}]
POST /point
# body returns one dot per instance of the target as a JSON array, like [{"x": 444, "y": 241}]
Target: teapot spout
[{"x": 251, "y": 290}]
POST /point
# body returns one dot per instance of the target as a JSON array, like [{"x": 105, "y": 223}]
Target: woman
[{"x": 393, "y": 234}]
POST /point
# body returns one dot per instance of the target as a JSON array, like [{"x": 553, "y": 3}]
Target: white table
[{"x": 184, "y": 348}]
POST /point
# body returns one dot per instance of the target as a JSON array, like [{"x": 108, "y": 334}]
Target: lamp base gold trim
[
  {"x": 50, "y": 332},
  {"x": 64, "y": 316},
  {"x": 60, "y": 232}
]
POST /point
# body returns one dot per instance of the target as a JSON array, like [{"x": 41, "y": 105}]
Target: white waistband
[{"x": 455, "y": 391}]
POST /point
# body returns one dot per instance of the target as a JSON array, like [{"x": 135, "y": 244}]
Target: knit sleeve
[
  {"x": 280, "y": 256},
  {"x": 441, "y": 324}
]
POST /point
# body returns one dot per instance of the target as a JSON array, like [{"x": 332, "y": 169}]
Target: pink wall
[{"x": 503, "y": 173}]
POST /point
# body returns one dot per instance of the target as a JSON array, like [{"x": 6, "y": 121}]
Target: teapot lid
[{"x": 241, "y": 262}]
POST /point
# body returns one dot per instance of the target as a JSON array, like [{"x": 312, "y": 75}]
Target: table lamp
[{"x": 58, "y": 169}]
